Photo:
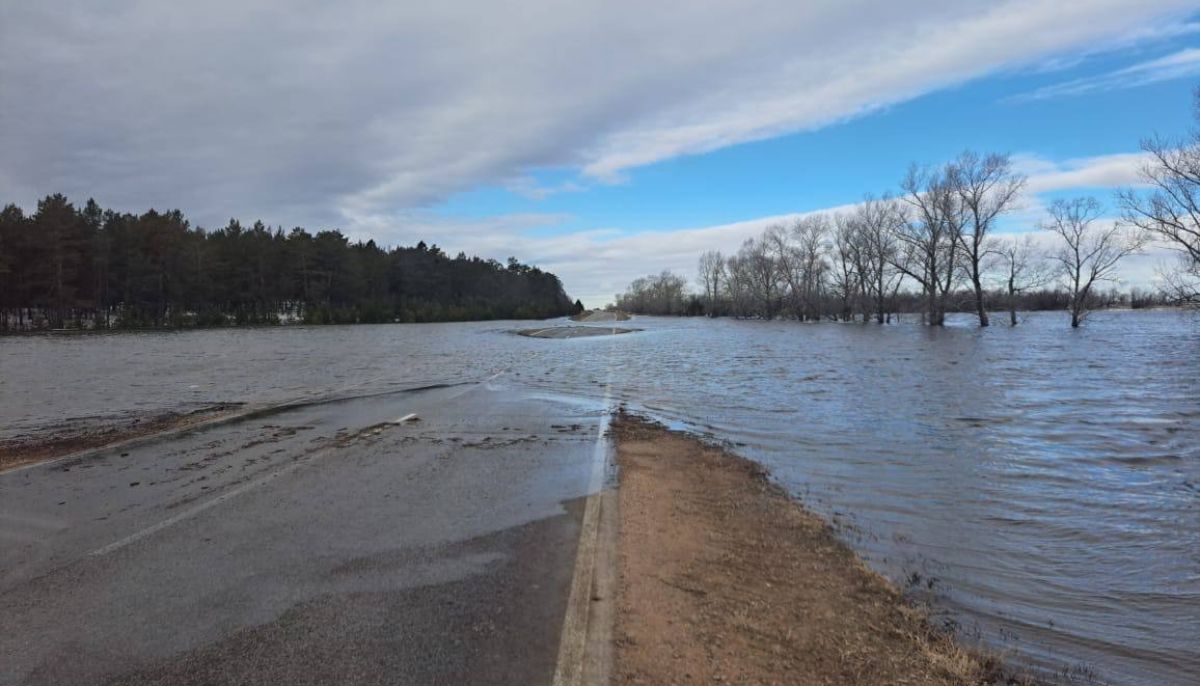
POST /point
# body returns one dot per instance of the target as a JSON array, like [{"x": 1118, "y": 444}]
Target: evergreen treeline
[{"x": 68, "y": 267}]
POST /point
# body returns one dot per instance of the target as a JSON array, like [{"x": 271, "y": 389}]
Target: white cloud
[
  {"x": 528, "y": 187},
  {"x": 827, "y": 85},
  {"x": 1149, "y": 34},
  {"x": 594, "y": 264},
  {"x": 598, "y": 264},
  {"x": 364, "y": 113},
  {"x": 1102, "y": 171},
  {"x": 1096, "y": 175},
  {"x": 329, "y": 114},
  {"x": 1141, "y": 270},
  {"x": 1181, "y": 64}
]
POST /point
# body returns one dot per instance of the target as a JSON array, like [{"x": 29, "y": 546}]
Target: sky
[{"x": 599, "y": 140}]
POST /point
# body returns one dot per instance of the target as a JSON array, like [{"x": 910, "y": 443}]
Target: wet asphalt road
[{"x": 315, "y": 544}]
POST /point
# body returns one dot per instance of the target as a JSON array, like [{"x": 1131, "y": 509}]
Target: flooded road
[
  {"x": 1041, "y": 485},
  {"x": 331, "y": 542}
]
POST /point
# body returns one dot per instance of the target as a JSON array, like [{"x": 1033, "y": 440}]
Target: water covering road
[
  {"x": 317, "y": 544},
  {"x": 1041, "y": 485}
]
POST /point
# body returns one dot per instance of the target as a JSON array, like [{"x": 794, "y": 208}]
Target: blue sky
[
  {"x": 836, "y": 164},
  {"x": 599, "y": 139},
  {"x": 1026, "y": 112}
]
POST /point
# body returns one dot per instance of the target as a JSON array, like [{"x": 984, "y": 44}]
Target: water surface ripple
[{"x": 1040, "y": 485}]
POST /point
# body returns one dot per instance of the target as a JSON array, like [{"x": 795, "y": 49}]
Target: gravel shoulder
[{"x": 723, "y": 578}]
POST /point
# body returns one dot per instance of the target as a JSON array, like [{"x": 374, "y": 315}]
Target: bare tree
[
  {"x": 798, "y": 256},
  {"x": 1087, "y": 255},
  {"x": 846, "y": 273},
  {"x": 785, "y": 259},
  {"x": 763, "y": 278},
  {"x": 986, "y": 188},
  {"x": 739, "y": 285},
  {"x": 810, "y": 236},
  {"x": 1171, "y": 210},
  {"x": 879, "y": 222},
  {"x": 656, "y": 294},
  {"x": 929, "y": 235},
  {"x": 1020, "y": 266},
  {"x": 712, "y": 277}
]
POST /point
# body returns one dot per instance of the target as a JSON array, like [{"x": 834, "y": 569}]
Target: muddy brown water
[{"x": 1041, "y": 486}]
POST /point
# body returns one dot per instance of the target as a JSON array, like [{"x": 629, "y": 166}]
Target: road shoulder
[{"x": 724, "y": 578}]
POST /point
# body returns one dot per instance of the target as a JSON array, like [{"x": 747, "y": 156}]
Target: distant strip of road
[{"x": 574, "y": 331}]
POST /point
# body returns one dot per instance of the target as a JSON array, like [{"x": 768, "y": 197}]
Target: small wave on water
[{"x": 1038, "y": 485}]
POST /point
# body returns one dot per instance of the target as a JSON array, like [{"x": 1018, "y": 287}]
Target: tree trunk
[
  {"x": 983, "y": 316},
  {"x": 937, "y": 315},
  {"x": 1012, "y": 302}
]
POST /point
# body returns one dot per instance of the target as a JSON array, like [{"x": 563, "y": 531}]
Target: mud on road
[{"x": 83, "y": 435}]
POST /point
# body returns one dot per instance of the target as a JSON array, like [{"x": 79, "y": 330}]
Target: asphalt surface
[
  {"x": 311, "y": 545},
  {"x": 574, "y": 331},
  {"x": 602, "y": 316}
]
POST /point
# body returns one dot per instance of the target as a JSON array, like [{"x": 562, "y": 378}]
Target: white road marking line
[
  {"x": 406, "y": 418},
  {"x": 572, "y": 647},
  {"x": 192, "y": 512}
]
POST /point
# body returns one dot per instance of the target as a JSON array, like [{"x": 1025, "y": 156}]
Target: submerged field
[{"x": 1039, "y": 485}]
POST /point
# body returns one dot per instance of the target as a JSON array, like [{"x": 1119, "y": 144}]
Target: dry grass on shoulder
[{"x": 725, "y": 579}]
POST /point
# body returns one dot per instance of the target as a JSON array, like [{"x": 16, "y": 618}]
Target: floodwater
[{"x": 1040, "y": 485}]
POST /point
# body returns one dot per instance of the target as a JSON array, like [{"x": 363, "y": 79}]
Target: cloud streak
[
  {"x": 1178, "y": 65},
  {"x": 301, "y": 112},
  {"x": 1102, "y": 171}
]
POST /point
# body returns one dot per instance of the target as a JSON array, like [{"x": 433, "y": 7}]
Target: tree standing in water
[
  {"x": 1170, "y": 211},
  {"x": 712, "y": 278},
  {"x": 1087, "y": 255},
  {"x": 929, "y": 237},
  {"x": 1021, "y": 267},
  {"x": 987, "y": 188},
  {"x": 878, "y": 220}
]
